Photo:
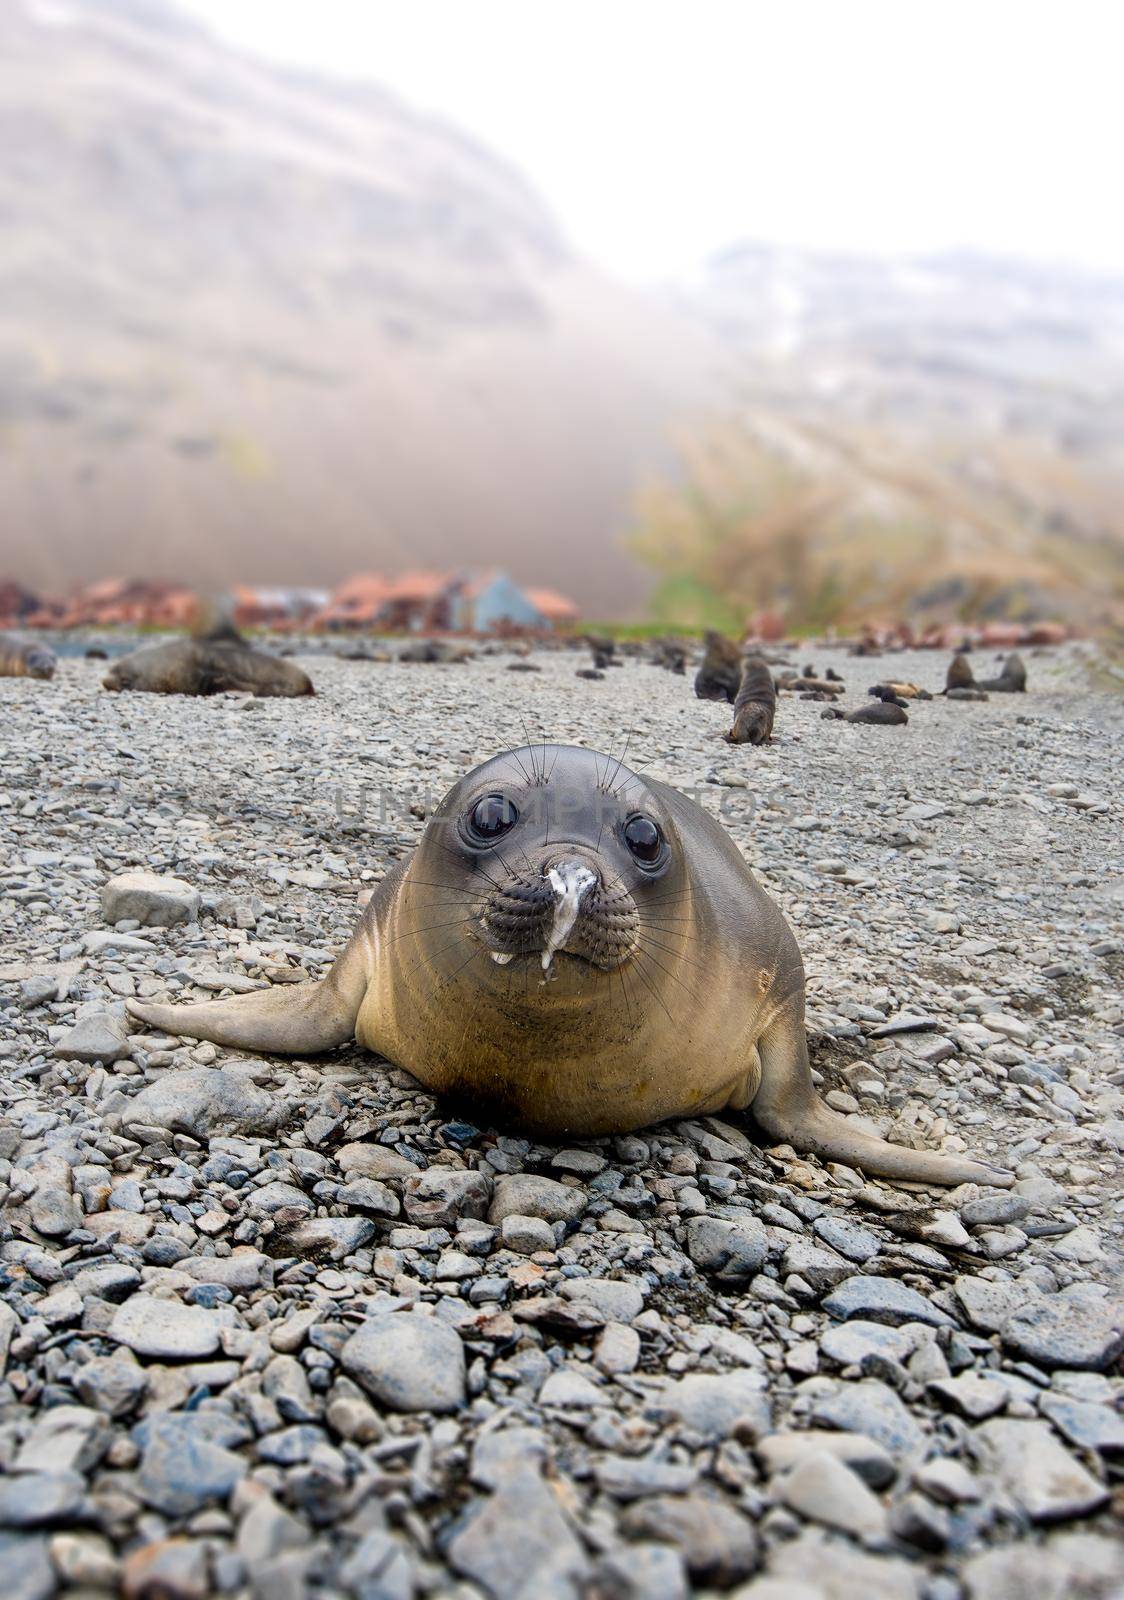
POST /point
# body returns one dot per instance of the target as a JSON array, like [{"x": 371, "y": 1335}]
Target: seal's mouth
[{"x": 565, "y": 909}]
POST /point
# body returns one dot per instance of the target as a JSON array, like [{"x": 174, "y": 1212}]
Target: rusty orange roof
[
  {"x": 551, "y": 603},
  {"x": 418, "y": 585},
  {"x": 361, "y": 587}
]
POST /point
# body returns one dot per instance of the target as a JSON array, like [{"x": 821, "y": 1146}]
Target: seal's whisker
[
  {"x": 624, "y": 752},
  {"x": 407, "y": 933},
  {"x": 671, "y": 951},
  {"x": 650, "y": 985},
  {"x": 674, "y": 976}
]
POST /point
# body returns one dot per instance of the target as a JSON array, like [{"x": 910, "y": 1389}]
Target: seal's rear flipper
[
  {"x": 788, "y": 1107},
  {"x": 291, "y": 1019}
]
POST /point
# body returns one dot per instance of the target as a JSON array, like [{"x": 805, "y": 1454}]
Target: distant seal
[
  {"x": 898, "y": 691},
  {"x": 214, "y": 662},
  {"x": 959, "y": 674},
  {"x": 755, "y": 705},
  {"x": 25, "y": 658},
  {"x": 887, "y": 713},
  {"x": 577, "y": 950},
  {"x": 1011, "y": 679},
  {"x": 720, "y": 674}
]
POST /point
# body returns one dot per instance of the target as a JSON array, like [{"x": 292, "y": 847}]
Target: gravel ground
[{"x": 283, "y": 1328}]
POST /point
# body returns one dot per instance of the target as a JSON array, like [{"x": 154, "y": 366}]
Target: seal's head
[
  {"x": 567, "y": 862},
  {"x": 40, "y": 661}
]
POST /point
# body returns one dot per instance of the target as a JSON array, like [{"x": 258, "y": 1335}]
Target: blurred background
[{"x": 665, "y": 312}]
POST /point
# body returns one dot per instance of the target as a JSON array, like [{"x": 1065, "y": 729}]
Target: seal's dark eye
[
  {"x": 643, "y": 838},
  {"x": 492, "y": 817}
]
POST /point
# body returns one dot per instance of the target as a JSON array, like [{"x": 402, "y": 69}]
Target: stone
[
  {"x": 617, "y": 1349},
  {"x": 333, "y": 1237},
  {"x": 407, "y": 1361},
  {"x": 438, "y": 1197},
  {"x": 153, "y": 900},
  {"x": 832, "y": 1570},
  {"x": 36, "y": 1499},
  {"x": 112, "y": 1384},
  {"x": 994, "y": 1210},
  {"x": 883, "y": 1300},
  {"x": 379, "y": 1568},
  {"x": 525, "y": 1195},
  {"x": 206, "y": 1100},
  {"x": 731, "y": 1252},
  {"x": 98, "y": 1036},
  {"x": 971, "y": 1394},
  {"x": 849, "y": 1343},
  {"x": 526, "y": 1235},
  {"x": 716, "y": 1405},
  {"x": 519, "y": 1532},
  {"x": 25, "y": 1560},
  {"x": 1088, "y": 1426},
  {"x": 518, "y": 1449},
  {"x": 1038, "y": 1471},
  {"x": 1061, "y": 1331},
  {"x": 84, "y": 1560},
  {"x": 642, "y": 1572},
  {"x": 946, "y": 1481},
  {"x": 167, "y": 1569},
  {"x": 54, "y": 1213},
  {"x": 64, "y": 1439},
  {"x": 616, "y": 1301},
  {"x": 819, "y": 1267},
  {"x": 166, "y": 1330},
  {"x": 373, "y": 1161},
  {"x": 183, "y": 1468},
  {"x": 849, "y": 1238},
  {"x": 718, "y": 1543},
  {"x": 368, "y": 1194},
  {"x": 872, "y": 1408},
  {"x": 823, "y": 1489},
  {"x": 781, "y": 1452}
]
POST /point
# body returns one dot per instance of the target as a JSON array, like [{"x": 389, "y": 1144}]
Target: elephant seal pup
[
  {"x": 721, "y": 672},
  {"x": 959, "y": 674},
  {"x": 211, "y": 663},
  {"x": 755, "y": 705},
  {"x": 1011, "y": 679},
  {"x": 25, "y": 658},
  {"x": 576, "y": 950},
  {"x": 886, "y": 712}
]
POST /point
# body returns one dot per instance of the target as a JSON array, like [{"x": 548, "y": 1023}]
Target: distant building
[
  {"x": 442, "y": 602},
  {"x": 490, "y": 602},
  {"x": 275, "y": 607},
  {"x": 418, "y": 602},
  {"x": 555, "y": 609}
]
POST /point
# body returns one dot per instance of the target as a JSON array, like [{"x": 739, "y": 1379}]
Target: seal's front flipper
[
  {"x": 291, "y": 1019},
  {"x": 788, "y": 1107}
]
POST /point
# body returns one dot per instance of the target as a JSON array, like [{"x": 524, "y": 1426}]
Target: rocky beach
[{"x": 272, "y": 1328}]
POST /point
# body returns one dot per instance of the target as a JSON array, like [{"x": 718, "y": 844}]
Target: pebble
[
  {"x": 823, "y": 1489},
  {"x": 407, "y": 1361},
  {"x": 643, "y": 1337},
  {"x": 166, "y": 1330},
  {"x": 150, "y": 898}
]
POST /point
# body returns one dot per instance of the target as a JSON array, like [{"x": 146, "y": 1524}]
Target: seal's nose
[{"x": 571, "y": 881}]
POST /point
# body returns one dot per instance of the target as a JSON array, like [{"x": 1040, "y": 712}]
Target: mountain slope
[{"x": 259, "y": 326}]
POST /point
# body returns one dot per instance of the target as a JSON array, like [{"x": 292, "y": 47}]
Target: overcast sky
[{"x": 660, "y": 130}]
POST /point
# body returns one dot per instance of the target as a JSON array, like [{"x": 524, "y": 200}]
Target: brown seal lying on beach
[
  {"x": 577, "y": 950},
  {"x": 209, "y": 663},
  {"x": 25, "y": 658}
]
